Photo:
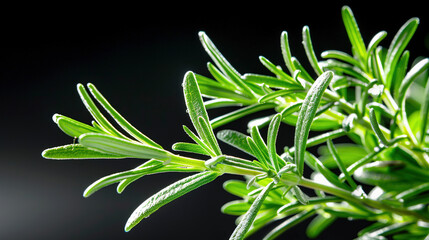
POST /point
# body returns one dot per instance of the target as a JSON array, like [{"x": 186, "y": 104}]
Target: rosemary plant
[{"x": 375, "y": 96}]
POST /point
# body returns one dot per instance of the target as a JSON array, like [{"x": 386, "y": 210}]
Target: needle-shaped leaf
[
  {"x": 414, "y": 72},
  {"x": 221, "y": 92},
  {"x": 224, "y": 65},
  {"x": 269, "y": 81},
  {"x": 115, "y": 145},
  {"x": 358, "y": 46},
  {"x": 302, "y": 72},
  {"x": 116, "y": 177},
  {"x": 196, "y": 110},
  {"x": 397, "y": 46},
  {"x": 340, "y": 56},
  {"x": 260, "y": 152},
  {"x": 119, "y": 118},
  {"x": 319, "y": 224},
  {"x": 284, "y": 44},
  {"x": 287, "y": 224},
  {"x": 169, "y": 194},
  {"x": 308, "y": 46},
  {"x": 247, "y": 220},
  {"x": 276, "y": 70},
  {"x": 400, "y": 72},
  {"x": 237, "y": 188},
  {"x": 237, "y": 114},
  {"x": 198, "y": 141},
  {"x": 300, "y": 195},
  {"x": 235, "y": 139},
  {"x": 376, "y": 128},
  {"x": 72, "y": 127},
  {"x": 306, "y": 117},
  {"x": 279, "y": 93},
  {"x": 95, "y": 112},
  {"x": 412, "y": 192},
  {"x": 209, "y": 135},
  {"x": 375, "y": 41},
  {"x": 273, "y": 129},
  {"x": 219, "y": 76},
  {"x": 166, "y": 168},
  {"x": 77, "y": 151},
  {"x": 237, "y": 207},
  {"x": 424, "y": 114},
  {"x": 189, "y": 147},
  {"x": 340, "y": 163}
]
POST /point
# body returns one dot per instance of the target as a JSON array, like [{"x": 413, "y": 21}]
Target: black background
[{"x": 137, "y": 57}]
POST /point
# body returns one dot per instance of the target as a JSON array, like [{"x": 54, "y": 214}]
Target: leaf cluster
[{"x": 367, "y": 95}]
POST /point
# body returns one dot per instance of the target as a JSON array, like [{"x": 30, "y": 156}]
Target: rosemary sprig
[{"x": 362, "y": 95}]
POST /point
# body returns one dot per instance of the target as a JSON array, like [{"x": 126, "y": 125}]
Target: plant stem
[
  {"x": 348, "y": 196},
  {"x": 223, "y": 168}
]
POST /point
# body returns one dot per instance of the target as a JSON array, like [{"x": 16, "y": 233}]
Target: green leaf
[
  {"x": 247, "y": 220},
  {"x": 400, "y": 71},
  {"x": 299, "y": 195},
  {"x": 115, "y": 145},
  {"x": 209, "y": 136},
  {"x": 166, "y": 168},
  {"x": 375, "y": 41},
  {"x": 237, "y": 188},
  {"x": 117, "y": 177},
  {"x": 306, "y": 116},
  {"x": 340, "y": 56},
  {"x": 169, "y": 194},
  {"x": 96, "y": 114},
  {"x": 319, "y": 224},
  {"x": 318, "y": 166},
  {"x": 302, "y": 72},
  {"x": 389, "y": 175},
  {"x": 194, "y": 101},
  {"x": 120, "y": 119},
  {"x": 289, "y": 223},
  {"x": 260, "y": 152},
  {"x": 220, "y": 102},
  {"x": 224, "y": 65},
  {"x": 358, "y": 46},
  {"x": 311, "y": 202},
  {"x": 340, "y": 163},
  {"x": 236, "y": 208},
  {"x": 218, "y": 75},
  {"x": 237, "y": 114},
  {"x": 125, "y": 182},
  {"x": 424, "y": 114},
  {"x": 198, "y": 141},
  {"x": 414, "y": 72},
  {"x": 271, "y": 140},
  {"x": 72, "y": 127},
  {"x": 349, "y": 153},
  {"x": 235, "y": 139},
  {"x": 287, "y": 57},
  {"x": 189, "y": 147},
  {"x": 269, "y": 81},
  {"x": 77, "y": 151},
  {"x": 276, "y": 70},
  {"x": 376, "y": 128},
  {"x": 412, "y": 192},
  {"x": 308, "y": 46},
  {"x": 220, "y": 92},
  {"x": 279, "y": 93},
  {"x": 397, "y": 46}
]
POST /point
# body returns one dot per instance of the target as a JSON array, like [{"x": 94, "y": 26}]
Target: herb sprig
[{"x": 380, "y": 176}]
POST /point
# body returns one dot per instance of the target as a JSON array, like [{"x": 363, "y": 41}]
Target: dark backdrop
[{"x": 137, "y": 57}]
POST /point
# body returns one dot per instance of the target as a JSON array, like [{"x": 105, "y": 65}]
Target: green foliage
[{"x": 381, "y": 175}]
